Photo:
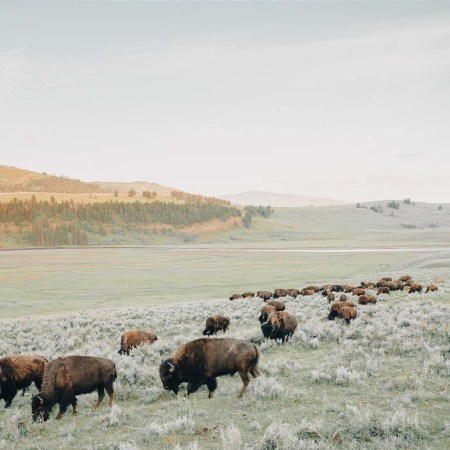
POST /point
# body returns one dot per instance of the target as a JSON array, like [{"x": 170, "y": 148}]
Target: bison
[
  {"x": 235, "y": 296},
  {"x": 312, "y": 288},
  {"x": 18, "y": 372},
  {"x": 279, "y": 306},
  {"x": 134, "y": 338},
  {"x": 343, "y": 298},
  {"x": 265, "y": 295},
  {"x": 279, "y": 325},
  {"x": 358, "y": 291},
  {"x": 337, "y": 288},
  {"x": 385, "y": 279},
  {"x": 215, "y": 324},
  {"x": 248, "y": 294},
  {"x": 292, "y": 292},
  {"x": 277, "y": 293},
  {"x": 383, "y": 290},
  {"x": 394, "y": 285},
  {"x": 348, "y": 288},
  {"x": 306, "y": 292},
  {"x": 431, "y": 288},
  {"x": 348, "y": 313},
  {"x": 203, "y": 360},
  {"x": 266, "y": 311},
  {"x": 405, "y": 278},
  {"x": 336, "y": 307},
  {"x": 415, "y": 287},
  {"x": 66, "y": 377},
  {"x": 367, "y": 299},
  {"x": 331, "y": 297}
]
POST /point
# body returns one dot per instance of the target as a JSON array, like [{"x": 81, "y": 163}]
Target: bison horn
[
  {"x": 171, "y": 367},
  {"x": 41, "y": 400}
]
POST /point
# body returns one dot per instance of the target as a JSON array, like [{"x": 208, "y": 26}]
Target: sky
[{"x": 347, "y": 100}]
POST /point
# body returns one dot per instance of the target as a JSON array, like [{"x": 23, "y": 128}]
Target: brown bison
[
  {"x": 383, "y": 290},
  {"x": 385, "y": 279},
  {"x": 203, "y": 360},
  {"x": 265, "y": 295},
  {"x": 381, "y": 284},
  {"x": 368, "y": 284},
  {"x": 67, "y": 377},
  {"x": 337, "y": 288},
  {"x": 277, "y": 293},
  {"x": 343, "y": 298},
  {"x": 431, "y": 288},
  {"x": 279, "y": 325},
  {"x": 348, "y": 289},
  {"x": 248, "y": 294},
  {"x": 279, "y": 306},
  {"x": 331, "y": 297},
  {"x": 292, "y": 292},
  {"x": 394, "y": 285},
  {"x": 134, "y": 338},
  {"x": 215, "y": 324},
  {"x": 312, "y": 288},
  {"x": 235, "y": 296},
  {"x": 306, "y": 292},
  {"x": 367, "y": 299},
  {"x": 348, "y": 313},
  {"x": 266, "y": 311},
  {"x": 336, "y": 307},
  {"x": 415, "y": 287},
  {"x": 358, "y": 291},
  {"x": 18, "y": 372},
  {"x": 405, "y": 278}
]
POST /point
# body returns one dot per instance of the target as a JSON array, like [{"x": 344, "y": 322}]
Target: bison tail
[
  {"x": 114, "y": 373},
  {"x": 254, "y": 363}
]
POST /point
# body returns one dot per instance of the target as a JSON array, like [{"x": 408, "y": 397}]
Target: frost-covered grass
[{"x": 380, "y": 382}]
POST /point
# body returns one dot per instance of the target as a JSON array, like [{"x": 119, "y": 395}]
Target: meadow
[
  {"x": 50, "y": 281},
  {"x": 380, "y": 382}
]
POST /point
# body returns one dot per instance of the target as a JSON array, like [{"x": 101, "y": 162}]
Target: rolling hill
[{"x": 277, "y": 199}]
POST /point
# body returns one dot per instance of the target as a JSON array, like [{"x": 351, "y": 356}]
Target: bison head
[
  {"x": 274, "y": 327},
  {"x": 170, "y": 375},
  {"x": 333, "y": 314},
  {"x": 40, "y": 409}
]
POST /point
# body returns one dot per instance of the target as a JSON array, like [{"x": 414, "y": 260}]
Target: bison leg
[
  {"x": 110, "y": 391},
  {"x": 74, "y": 406},
  {"x": 101, "y": 396},
  {"x": 9, "y": 391},
  {"x": 211, "y": 384},
  {"x": 194, "y": 386},
  {"x": 62, "y": 410},
  {"x": 245, "y": 380}
]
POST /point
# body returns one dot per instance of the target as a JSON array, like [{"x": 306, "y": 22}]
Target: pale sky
[{"x": 342, "y": 100}]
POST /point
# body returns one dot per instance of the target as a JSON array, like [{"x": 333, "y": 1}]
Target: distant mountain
[
  {"x": 278, "y": 199},
  {"x": 138, "y": 186}
]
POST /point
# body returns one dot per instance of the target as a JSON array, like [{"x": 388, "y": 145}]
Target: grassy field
[
  {"x": 380, "y": 382},
  {"x": 57, "y": 281}
]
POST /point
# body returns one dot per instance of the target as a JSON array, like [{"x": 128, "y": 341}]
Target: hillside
[
  {"x": 277, "y": 199},
  {"x": 138, "y": 186}
]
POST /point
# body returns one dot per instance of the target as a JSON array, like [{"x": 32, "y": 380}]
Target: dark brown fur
[
  {"x": 203, "y": 360},
  {"x": 279, "y": 306},
  {"x": 235, "y": 296},
  {"x": 266, "y": 311},
  {"x": 336, "y": 307},
  {"x": 384, "y": 290},
  {"x": 215, "y": 324},
  {"x": 293, "y": 292},
  {"x": 279, "y": 325},
  {"x": 348, "y": 313},
  {"x": 265, "y": 295},
  {"x": 248, "y": 294},
  {"x": 277, "y": 293},
  {"x": 65, "y": 378},
  {"x": 18, "y": 372}
]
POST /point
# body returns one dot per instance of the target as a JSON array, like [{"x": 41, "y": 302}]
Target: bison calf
[
  {"x": 65, "y": 378},
  {"x": 215, "y": 324},
  {"x": 133, "y": 338},
  {"x": 18, "y": 372},
  {"x": 203, "y": 360}
]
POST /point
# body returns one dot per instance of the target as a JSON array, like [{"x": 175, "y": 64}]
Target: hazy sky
[{"x": 344, "y": 100}]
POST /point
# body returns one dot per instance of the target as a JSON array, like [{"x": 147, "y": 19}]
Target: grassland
[
  {"x": 380, "y": 382},
  {"x": 56, "y": 281}
]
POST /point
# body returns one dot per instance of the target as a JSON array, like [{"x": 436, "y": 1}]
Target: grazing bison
[
  {"x": 235, "y": 296},
  {"x": 348, "y": 289},
  {"x": 386, "y": 279},
  {"x": 248, "y": 294},
  {"x": 306, "y": 292},
  {"x": 405, "y": 278},
  {"x": 358, "y": 291},
  {"x": 367, "y": 299},
  {"x": 381, "y": 283},
  {"x": 215, "y": 324},
  {"x": 292, "y": 292},
  {"x": 348, "y": 313},
  {"x": 265, "y": 295},
  {"x": 431, "y": 288},
  {"x": 394, "y": 285},
  {"x": 368, "y": 284},
  {"x": 201, "y": 361},
  {"x": 277, "y": 293},
  {"x": 336, "y": 307},
  {"x": 67, "y": 377},
  {"x": 415, "y": 287},
  {"x": 266, "y": 311},
  {"x": 279, "y": 306},
  {"x": 134, "y": 338},
  {"x": 18, "y": 372},
  {"x": 312, "y": 288},
  {"x": 331, "y": 297},
  {"x": 279, "y": 325},
  {"x": 383, "y": 290},
  {"x": 337, "y": 288}
]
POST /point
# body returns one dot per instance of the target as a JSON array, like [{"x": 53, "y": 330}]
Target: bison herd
[{"x": 196, "y": 363}]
